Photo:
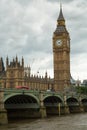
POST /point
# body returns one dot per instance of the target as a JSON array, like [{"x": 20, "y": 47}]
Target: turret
[
  {"x": 2, "y": 68},
  {"x": 7, "y": 62},
  {"x": 22, "y": 61},
  {"x": 16, "y": 59},
  {"x": 46, "y": 75}
]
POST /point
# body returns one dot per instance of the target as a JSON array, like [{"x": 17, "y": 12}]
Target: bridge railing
[
  {"x": 45, "y": 93},
  {"x": 31, "y": 91}
]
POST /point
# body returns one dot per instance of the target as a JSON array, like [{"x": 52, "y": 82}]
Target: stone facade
[{"x": 18, "y": 75}]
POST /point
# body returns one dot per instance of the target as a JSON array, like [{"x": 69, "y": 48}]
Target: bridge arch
[
  {"x": 51, "y": 103},
  {"x": 72, "y": 99},
  {"x": 84, "y": 103},
  {"x": 14, "y": 94},
  {"x": 22, "y": 106},
  {"x": 73, "y": 104},
  {"x": 53, "y": 96},
  {"x": 84, "y": 100}
]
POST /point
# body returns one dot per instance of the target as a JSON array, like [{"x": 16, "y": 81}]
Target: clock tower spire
[
  {"x": 61, "y": 19},
  {"x": 61, "y": 54}
]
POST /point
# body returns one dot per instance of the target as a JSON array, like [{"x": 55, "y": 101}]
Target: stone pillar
[
  {"x": 42, "y": 107},
  {"x": 59, "y": 109},
  {"x": 3, "y": 112},
  {"x": 81, "y": 105},
  {"x": 66, "y": 107}
]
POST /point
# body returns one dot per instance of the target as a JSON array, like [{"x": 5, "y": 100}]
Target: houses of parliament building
[{"x": 16, "y": 74}]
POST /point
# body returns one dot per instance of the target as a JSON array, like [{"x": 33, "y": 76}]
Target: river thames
[{"x": 69, "y": 122}]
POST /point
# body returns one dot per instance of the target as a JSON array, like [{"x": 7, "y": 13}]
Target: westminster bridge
[{"x": 23, "y": 103}]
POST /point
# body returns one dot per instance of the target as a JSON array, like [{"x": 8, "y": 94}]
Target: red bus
[{"x": 22, "y": 87}]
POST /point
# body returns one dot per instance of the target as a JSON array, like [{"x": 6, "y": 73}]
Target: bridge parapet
[{"x": 13, "y": 91}]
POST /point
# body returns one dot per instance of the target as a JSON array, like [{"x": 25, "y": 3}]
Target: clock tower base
[{"x": 61, "y": 85}]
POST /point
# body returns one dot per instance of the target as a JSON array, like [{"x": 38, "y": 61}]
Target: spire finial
[
  {"x": 60, "y": 18},
  {"x": 60, "y": 5}
]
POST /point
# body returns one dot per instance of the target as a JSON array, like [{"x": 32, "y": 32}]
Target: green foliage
[{"x": 81, "y": 89}]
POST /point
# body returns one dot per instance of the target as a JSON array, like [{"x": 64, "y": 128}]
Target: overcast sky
[{"x": 27, "y": 26}]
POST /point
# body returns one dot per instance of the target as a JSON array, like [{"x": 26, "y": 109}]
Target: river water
[{"x": 69, "y": 122}]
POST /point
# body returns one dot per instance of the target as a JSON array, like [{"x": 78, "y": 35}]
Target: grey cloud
[
  {"x": 27, "y": 26},
  {"x": 63, "y": 1},
  {"x": 24, "y": 2}
]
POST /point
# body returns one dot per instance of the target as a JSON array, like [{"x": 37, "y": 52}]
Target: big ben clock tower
[{"x": 61, "y": 54}]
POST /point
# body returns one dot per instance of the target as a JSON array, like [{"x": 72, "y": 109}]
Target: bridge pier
[
  {"x": 42, "y": 107},
  {"x": 81, "y": 108},
  {"x": 3, "y": 112},
  {"x": 81, "y": 105},
  {"x": 43, "y": 112},
  {"x": 66, "y": 107}
]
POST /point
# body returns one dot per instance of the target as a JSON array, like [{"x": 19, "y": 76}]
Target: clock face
[{"x": 59, "y": 42}]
